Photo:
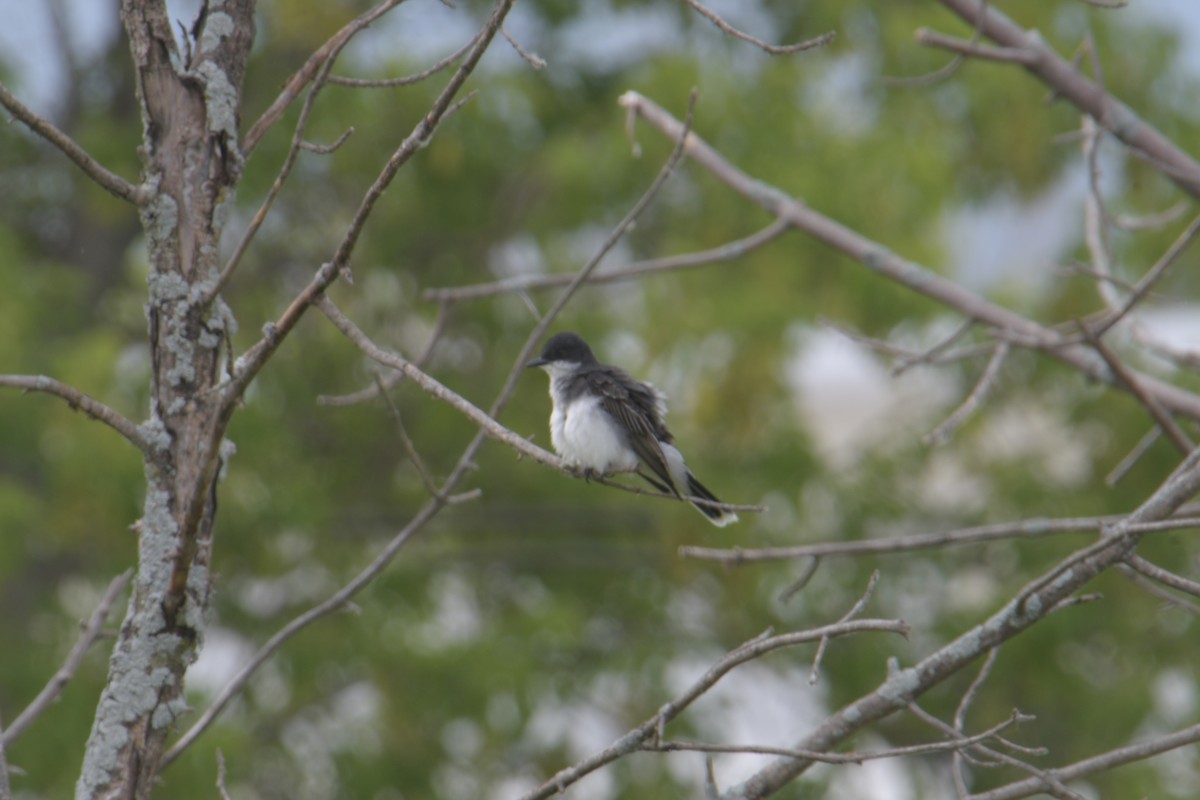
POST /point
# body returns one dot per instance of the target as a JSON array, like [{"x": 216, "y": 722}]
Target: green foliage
[{"x": 521, "y": 629}]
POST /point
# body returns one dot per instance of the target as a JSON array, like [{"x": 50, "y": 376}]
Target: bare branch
[
  {"x": 1178, "y": 438},
  {"x": 1162, "y": 594},
  {"x": 326, "y": 149},
  {"x": 59, "y": 682},
  {"x": 852, "y": 757},
  {"x": 1039, "y": 598},
  {"x": 221, "y": 776},
  {"x": 1163, "y": 576},
  {"x": 1127, "y": 463},
  {"x": 801, "y": 580},
  {"x": 1050, "y": 782},
  {"x": 113, "y": 183},
  {"x": 407, "y": 441},
  {"x": 1066, "y": 81},
  {"x": 79, "y": 401},
  {"x": 942, "y": 433},
  {"x": 960, "y": 714},
  {"x": 773, "y": 49},
  {"x": 849, "y": 615},
  {"x": 1152, "y": 276},
  {"x": 5, "y": 789},
  {"x": 651, "y": 728},
  {"x": 394, "y": 377},
  {"x": 874, "y": 256},
  {"x": 295, "y": 84},
  {"x": 335, "y": 602},
  {"x": 487, "y": 425},
  {"x": 973, "y": 49},
  {"x": 408, "y": 80},
  {"x": 1089, "y": 766},
  {"x": 533, "y": 59},
  {"x": 522, "y": 283},
  {"x": 289, "y": 161},
  {"x": 249, "y": 364},
  {"x": 1023, "y": 529}
]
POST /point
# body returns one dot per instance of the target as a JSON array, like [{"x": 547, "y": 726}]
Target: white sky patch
[
  {"x": 847, "y": 400},
  {"x": 1015, "y": 243},
  {"x": 751, "y": 705},
  {"x": 223, "y": 655}
]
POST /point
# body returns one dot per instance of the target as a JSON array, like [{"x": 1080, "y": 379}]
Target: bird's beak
[{"x": 537, "y": 362}]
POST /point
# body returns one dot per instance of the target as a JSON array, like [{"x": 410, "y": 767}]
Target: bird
[{"x": 603, "y": 421}]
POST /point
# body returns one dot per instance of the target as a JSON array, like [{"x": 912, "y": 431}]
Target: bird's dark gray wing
[{"x": 635, "y": 407}]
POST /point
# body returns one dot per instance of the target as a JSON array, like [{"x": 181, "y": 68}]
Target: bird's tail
[{"x": 717, "y": 516}]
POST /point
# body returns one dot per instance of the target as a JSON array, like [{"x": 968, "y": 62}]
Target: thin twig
[
  {"x": 973, "y": 48},
  {"x": 1100, "y": 763},
  {"x": 285, "y": 170},
  {"x": 938, "y": 75},
  {"x": 62, "y": 677},
  {"x": 849, "y": 615},
  {"x": 650, "y": 729},
  {"x": 533, "y": 59},
  {"x": 1023, "y": 529},
  {"x": 5, "y": 789},
  {"x": 1163, "y": 576},
  {"x": 942, "y": 433},
  {"x": 1067, "y": 82},
  {"x": 252, "y": 361},
  {"x": 1006, "y": 324},
  {"x": 221, "y": 775},
  {"x": 1050, "y": 782},
  {"x": 487, "y": 425},
  {"x": 1152, "y": 276},
  {"x": 801, "y": 580},
  {"x": 295, "y": 84},
  {"x": 394, "y": 377},
  {"x": 407, "y": 80},
  {"x": 960, "y": 714},
  {"x": 79, "y": 401},
  {"x": 523, "y": 283},
  {"x": 928, "y": 356},
  {"x": 1158, "y": 591},
  {"x": 852, "y": 757},
  {"x": 108, "y": 180},
  {"x": 406, "y": 440},
  {"x": 1160, "y": 415},
  {"x": 1135, "y": 455},
  {"x": 326, "y": 149},
  {"x": 773, "y": 49}
]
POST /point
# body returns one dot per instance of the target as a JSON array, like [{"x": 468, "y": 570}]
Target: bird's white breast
[{"x": 585, "y": 435}]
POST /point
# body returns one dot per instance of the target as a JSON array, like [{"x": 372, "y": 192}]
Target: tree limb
[
  {"x": 61, "y": 678},
  {"x": 1069, "y": 83},
  {"x": 110, "y": 181},
  {"x": 876, "y": 257},
  {"x": 79, "y": 401}
]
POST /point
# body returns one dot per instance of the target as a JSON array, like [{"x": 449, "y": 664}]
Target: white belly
[{"x": 585, "y": 436}]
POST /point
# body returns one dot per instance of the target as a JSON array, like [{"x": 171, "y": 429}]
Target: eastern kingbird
[{"x": 604, "y": 421}]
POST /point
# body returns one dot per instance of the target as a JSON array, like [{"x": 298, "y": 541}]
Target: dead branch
[
  {"x": 59, "y": 682},
  {"x": 253, "y": 360},
  {"x": 1089, "y": 766},
  {"x": 730, "y": 251},
  {"x": 942, "y": 433},
  {"x": 79, "y": 401},
  {"x": 650, "y": 730},
  {"x": 1068, "y": 82},
  {"x": 772, "y": 49},
  {"x": 110, "y": 181},
  {"x": 295, "y": 84},
  {"x": 874, "y": 256}
]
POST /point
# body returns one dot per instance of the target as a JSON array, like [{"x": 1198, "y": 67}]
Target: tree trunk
[{"x": 189, "y": 103}]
